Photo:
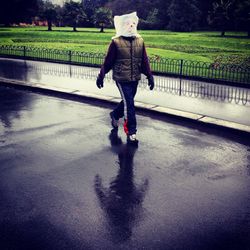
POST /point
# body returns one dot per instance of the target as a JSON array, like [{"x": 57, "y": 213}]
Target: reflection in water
[
  {"x": 13, "y": 70},
  {"x": 189, "y": 88},
  {"x": 12, "y": 102},
  {"x": 122, "y": 201},
  {"x": 24, "y": 70},
  {"x": 17, "y": 70}
]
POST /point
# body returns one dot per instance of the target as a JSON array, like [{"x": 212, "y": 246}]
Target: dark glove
[
  {"x": 99, "y": 82},
  {"x": 151, "y": 82}
]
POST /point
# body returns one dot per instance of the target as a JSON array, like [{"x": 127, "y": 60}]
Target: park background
[{"x": 214, "y": 31}]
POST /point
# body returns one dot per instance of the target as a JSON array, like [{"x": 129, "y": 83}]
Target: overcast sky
[{"x": 60, "y": 2}]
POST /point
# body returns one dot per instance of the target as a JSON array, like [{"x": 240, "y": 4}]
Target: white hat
[{"x": 126, "y": 25}]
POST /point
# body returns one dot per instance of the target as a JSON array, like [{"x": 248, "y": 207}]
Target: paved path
[
  {"x": 202, "y": 101},
  {"x": 67, "y": 182}
]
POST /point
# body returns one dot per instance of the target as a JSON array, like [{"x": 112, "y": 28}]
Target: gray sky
[{"x": 60, "y": 2}]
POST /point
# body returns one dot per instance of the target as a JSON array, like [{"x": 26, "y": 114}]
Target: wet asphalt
[{"x": 70, "y": 182}]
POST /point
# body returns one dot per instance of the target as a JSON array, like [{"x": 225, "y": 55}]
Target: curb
[{"x": 201, "y": 119}]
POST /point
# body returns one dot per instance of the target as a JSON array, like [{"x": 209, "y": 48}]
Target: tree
[
  {"x": 59, "y": 17},
  {"x": 120, "y": 7},
  {"x": 183, "y": 15},
  {"x": 151, "y": 22},
  {"x": 242, "y": 16},
  {"x": 73, "y": 14},
  {"x": 48, "y": 12},
  {"x": 162, "y": 16},
  {"x": 15, "y": 11},
  {"x": 147, "y": 10},
  {"x": 204, "y": 7},
  {"x": 90, "y": 7},
  {"x": 103, "y": 18},
  {"x": 219, "y": 16}
]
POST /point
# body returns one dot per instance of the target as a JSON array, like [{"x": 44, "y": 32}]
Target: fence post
[
  {"x": 181, "y": 67},
  {"x": 180, "y": 74},
  {"x": 24, "y": 51},
  {"x": 70, "y": 56}
]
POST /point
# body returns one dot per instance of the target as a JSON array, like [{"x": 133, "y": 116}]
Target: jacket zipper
[{"x": 131, "y": 52}]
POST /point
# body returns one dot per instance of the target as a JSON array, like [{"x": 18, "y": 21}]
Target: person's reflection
[{"x": 122, "y": 201}]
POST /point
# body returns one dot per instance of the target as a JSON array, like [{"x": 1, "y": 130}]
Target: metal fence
[
  {"x": 35, "y": 71},
  {"x": 213, "y": 72}
]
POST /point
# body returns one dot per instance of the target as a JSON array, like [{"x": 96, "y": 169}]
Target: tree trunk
[
  {"x": 74, "y": 28},
  {"x": 49, "y": 26},
  {"x": 223, "y": 33},
  {"x": 248, "y": 33},
  {"x": 102, "y": 28}
]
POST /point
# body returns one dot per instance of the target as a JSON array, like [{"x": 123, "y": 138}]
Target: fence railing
[
  {"x": 214, "y": 72},
  {"x": 35, "y": 71}
]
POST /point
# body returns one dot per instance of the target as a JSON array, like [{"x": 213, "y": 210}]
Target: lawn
[{"x": 197, "y": 46}]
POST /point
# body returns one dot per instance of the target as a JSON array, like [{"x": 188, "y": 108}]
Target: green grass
[{"x": 197, "y": 46}]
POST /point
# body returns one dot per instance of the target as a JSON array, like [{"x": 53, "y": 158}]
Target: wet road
[
  {"x": 69, "y": 182},
  {"x": 206, "y": 99}
]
